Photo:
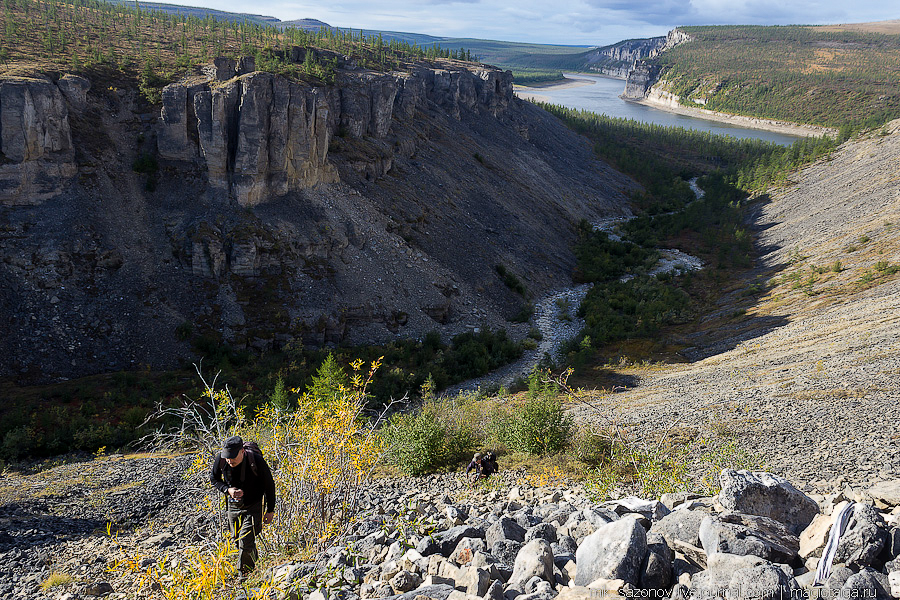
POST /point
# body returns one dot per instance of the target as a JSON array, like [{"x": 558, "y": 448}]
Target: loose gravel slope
[{"x": 807, "y": 373}]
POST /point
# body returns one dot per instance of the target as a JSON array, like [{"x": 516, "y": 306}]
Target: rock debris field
[{"x": 438, "y": 537}]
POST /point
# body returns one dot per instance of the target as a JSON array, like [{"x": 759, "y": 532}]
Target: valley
[{"x": 369, "y": 253}]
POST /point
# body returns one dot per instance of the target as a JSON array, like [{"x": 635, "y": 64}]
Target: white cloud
[{"x": 587, "y": 22}]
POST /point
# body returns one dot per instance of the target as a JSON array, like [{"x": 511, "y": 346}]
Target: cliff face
[
  {"x": 259, "y": 136},
  {"x": 255, "y": 211},
  {"x": 36, "y": 153},
  {"x": 618, "y": 59},
  {"x": 643, "y": 76}
]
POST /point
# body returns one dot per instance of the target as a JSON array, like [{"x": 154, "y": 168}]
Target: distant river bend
[{"x": 601, "y": 95}]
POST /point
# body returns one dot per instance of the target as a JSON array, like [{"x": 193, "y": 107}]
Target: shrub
[
  {"x": 19, "y": 442},
  {"x": 541, "y": 426},
  {"x": 439, "y": 436},
  {"x": 416, "y": 443}
]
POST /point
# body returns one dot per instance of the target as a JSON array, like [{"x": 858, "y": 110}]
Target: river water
[{"x": 602, "y": 97}]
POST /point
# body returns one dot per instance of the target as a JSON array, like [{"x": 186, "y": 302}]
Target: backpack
[
  {"x": 491, "y": 459},
  {"x": 251, "y": 452}
]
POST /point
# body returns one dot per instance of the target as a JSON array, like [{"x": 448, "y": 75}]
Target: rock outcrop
[
  {"x": 643, "y": 75},
  {"x": 259, "y": 136},
  {"x": 617, "y": 60},
  {"x": 36, "y": 153},
  {"x": 263, "y": 212}
]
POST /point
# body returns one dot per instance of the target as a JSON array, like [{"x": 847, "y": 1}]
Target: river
[{"x": 602, "y": 96}]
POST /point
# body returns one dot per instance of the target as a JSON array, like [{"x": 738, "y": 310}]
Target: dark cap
[{"x": 232, "y": 447}]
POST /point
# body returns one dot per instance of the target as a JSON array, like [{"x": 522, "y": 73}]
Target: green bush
[
  {"x": 541, "y": 426},
  {"x": 19, "y": 442},
  {"x": 439, "y": 436},
  {"x": 416, "y": 443}
]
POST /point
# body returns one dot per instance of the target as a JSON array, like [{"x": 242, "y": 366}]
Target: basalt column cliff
[{"x": 256, "y": 211}]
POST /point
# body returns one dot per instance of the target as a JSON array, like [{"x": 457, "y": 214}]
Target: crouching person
[{"x": 240, "y": 472}]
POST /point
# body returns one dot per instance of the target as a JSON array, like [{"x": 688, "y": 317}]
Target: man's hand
[
  {"x": 267, "y": 518},
  {"x": 235, "y": 493}
]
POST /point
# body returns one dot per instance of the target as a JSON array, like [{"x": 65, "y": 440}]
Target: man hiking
[{"x": 240, "y": 472}]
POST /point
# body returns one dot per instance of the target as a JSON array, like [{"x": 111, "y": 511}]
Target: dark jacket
[
  {"x": 255, "y": 485},
  {"x": 484, "y": 469}
]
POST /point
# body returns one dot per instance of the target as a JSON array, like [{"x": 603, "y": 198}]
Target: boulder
[
  {"x": 760, "y": 582},
  {"x": 683, "y": 525},
  {"x": 763, "y": 582},
  {"x": 535, "y": 559},
  {"x": 506, "y": 550},
  {"x": 544, "y": 531},
  {"x": 746, "y": 534},
  {"x": 885, "y": 494},
  {"x": 435, "y": 592},
  {"x": 766, "y": 495},
  {"x": 894, "y": 582},
  {"x": 504, "y": 529},
  {"x": 616, "y": 550},
  {"x": 656, "y": 572},
  {"x": 869, "y": 584},
  {"x": 652, "y": 510},
  {"x": 465, "y": 550},
  {"x": 405, "y": 581},
  {"x": 564, "y": 545},
  {"x": 474, "y": 582},
  {"x": 863, "y": 539},
  {"x": 814, "y": 537}
]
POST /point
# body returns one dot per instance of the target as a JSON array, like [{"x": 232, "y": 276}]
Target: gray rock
[
  {"x": 405, "y": 581},
  {"x": 864, "y": 538},
  {"x": 869, "y": 584},
  {"x": 564, "y": 545},
  {"x": 652, "y": 510},
  {"x": 535, "y": 559},
  {"x": 656, "y": 572},
  {"x": 615, "y": 551},
  {"x": 504, "y": 529},
  {"x": 746, "y": 534},
  {"x": 544, "y": 531},
  {"x": 839, "y": 576},
  {"x": 765, "y": 582},
  {"x": 766, "y": 495},
  {"x": 886, "y": 494},
  {"x": 495, "y": 591},
  {"x": 560, "y": 515},
  {"x": 436, "y": 592},
  {"x": 506, "y": 550},
  {"x": 892, "y": 546},
  {"x": 475, "y": 582},
  {"x": 100, "y": 588},
  {"x": 466, "y": 549},
  {"x": 681, "y": 525}
]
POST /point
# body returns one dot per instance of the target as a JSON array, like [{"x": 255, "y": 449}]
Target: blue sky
[{"x": 586, "y": 22}]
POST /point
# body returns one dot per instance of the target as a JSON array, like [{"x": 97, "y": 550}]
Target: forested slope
[{"x": 791, "y": 73}]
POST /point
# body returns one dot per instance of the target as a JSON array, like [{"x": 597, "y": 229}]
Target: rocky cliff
[
  {"x": 617, "y": 60},
  {"x": 257, "y": 211},
  {"x": 642, "y": 76}
]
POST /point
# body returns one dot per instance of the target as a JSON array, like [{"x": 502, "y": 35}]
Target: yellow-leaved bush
[{"x": 320, "y": 454}]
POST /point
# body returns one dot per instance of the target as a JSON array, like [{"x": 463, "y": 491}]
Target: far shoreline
[
  {"x": 531, "y": 93},
  {"x": 770, "y": 125}
]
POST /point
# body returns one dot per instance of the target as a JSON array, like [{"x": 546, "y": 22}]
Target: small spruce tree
[{"x": 329, "y": 380}]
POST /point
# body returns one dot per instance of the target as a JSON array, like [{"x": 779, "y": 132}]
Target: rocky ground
[{"x": 440, "y": 537}]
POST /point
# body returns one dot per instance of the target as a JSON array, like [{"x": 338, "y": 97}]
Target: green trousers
[{"x": 246, "y": 523}]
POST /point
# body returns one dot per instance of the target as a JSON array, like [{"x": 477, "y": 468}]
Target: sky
[{"x": 575, "y": 22}]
